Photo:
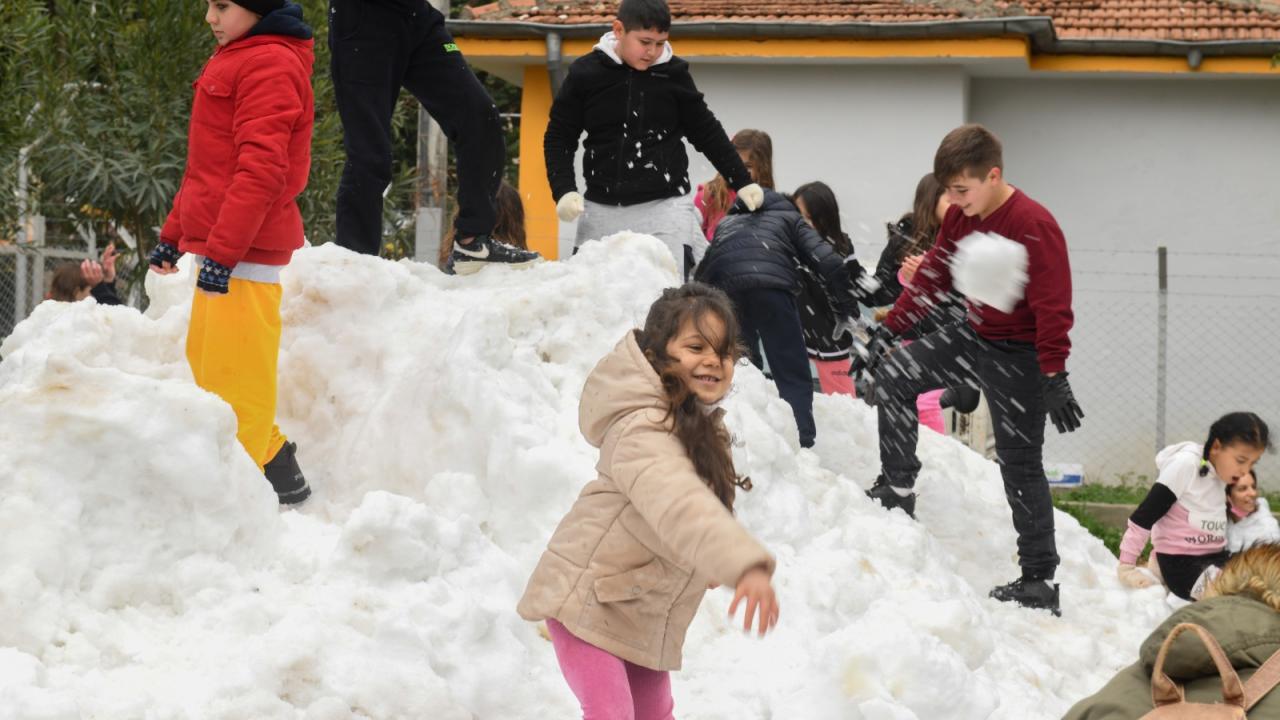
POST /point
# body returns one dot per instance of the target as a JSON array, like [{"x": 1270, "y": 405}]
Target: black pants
[
  {"x": 1180, "y": 572},
  {"x": 770, "y": 318},
  {"x": 1009, "y": 374},
  {"x": 379, "y": 47}
]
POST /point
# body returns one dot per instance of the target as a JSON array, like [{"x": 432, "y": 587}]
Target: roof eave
[{"x": 1038, "y": 30}]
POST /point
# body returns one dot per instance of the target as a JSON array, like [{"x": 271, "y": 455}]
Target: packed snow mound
[
  {"x": 145, "y": 570},
  {"x": 990, "y": 269}
]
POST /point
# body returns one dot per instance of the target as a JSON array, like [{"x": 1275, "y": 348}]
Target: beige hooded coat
[{"x": 627, "y": 567}]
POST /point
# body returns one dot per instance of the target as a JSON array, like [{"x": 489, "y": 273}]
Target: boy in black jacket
[
  {"x": 636, "y": 102},
  {"x": 755, "y": 259}
]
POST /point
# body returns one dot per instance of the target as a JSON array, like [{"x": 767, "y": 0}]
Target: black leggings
[{"x": 1181, "y": 571}]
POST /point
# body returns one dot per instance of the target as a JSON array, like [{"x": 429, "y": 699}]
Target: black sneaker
[
  {"x": 882, "y": 492},
  {"x": 286, "y": 477},
  {"x": 484, "y": 250},
  {"x": 1030, "y": 593}
]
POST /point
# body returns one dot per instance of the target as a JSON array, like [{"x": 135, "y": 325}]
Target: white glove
[
  {"x": 571, "y": 206},
  {"x": 844, "y": 326},
  {"x": 1134, "y": 577},
  {"x": 752, "y": 196}
]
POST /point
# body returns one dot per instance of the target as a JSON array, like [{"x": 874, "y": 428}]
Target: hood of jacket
[
  {"x": 1247, "y": 630},
  {"x": 287, "y": 21},
  {"x": 1167, "y": 455},
  {"x": 609, "y": 46},
  {"x": 623, "y": 382}
]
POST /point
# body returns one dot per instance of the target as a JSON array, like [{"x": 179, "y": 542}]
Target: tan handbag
[{"x": 1171, "y": 704}]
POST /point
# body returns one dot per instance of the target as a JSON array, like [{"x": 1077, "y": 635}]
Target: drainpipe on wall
[{"x": 555, "y": 62}]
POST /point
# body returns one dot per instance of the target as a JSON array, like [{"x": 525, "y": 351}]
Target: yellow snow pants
[{"x": 233, "y": 346}]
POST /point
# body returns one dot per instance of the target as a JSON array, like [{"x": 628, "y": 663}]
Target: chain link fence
[
  {"x": 25, "y": 272},
  {"x": 1162, "y": 348}
]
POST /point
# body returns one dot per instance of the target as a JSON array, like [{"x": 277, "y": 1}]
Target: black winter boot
[
  {"x": 286, "y": 477},
  {"x": 1030, "y": 593},
  {"x": 882, "y": 492}
]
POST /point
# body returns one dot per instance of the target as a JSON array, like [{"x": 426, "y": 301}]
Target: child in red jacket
[{"x": 249, "y": 152}]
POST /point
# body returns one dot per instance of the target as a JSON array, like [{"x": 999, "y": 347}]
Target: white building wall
[
  {"x": 1129, "y": 164},
  {"x": 1124, "y": 163}
]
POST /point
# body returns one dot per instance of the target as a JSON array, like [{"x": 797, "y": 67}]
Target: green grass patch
[{"x": 1108, "y": 535}]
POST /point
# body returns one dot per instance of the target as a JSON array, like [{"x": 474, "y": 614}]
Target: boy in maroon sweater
[{"x": 1018, "y": 359}]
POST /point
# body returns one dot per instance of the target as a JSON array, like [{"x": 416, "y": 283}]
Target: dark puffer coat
[{"x": 762, "y": 250}]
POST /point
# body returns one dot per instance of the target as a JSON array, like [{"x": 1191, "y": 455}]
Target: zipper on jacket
[{"x": 622, "y": 142}]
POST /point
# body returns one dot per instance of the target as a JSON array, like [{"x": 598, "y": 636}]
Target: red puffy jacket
[{"x": 248, "y": 154}]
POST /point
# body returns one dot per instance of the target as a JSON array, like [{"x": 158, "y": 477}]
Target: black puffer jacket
[
  {"x": 635, "y": 123},
  {"x": 761, "y": 250},
  {"x": 819, "y": 313}
]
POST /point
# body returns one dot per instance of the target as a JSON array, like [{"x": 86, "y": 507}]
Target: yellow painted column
[{"x": 542, "y": 228}]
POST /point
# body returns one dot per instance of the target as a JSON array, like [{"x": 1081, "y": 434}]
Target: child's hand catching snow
[{"x": 756, "y": 587}]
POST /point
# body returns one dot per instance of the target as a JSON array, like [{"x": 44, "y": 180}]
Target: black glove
[
  {"x": 214, "y": 277},
  {"x": 165, "y": 253},
  {"x": 867, "y": 357},
  {"x": 1060, "y": 403}
]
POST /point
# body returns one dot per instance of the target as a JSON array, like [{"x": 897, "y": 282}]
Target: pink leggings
[
  {"x": 833, "y": 377},
  {"x": 608, "y": 687}
]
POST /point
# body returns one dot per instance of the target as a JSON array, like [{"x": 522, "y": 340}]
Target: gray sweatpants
[{"x": 674, "y": 221}]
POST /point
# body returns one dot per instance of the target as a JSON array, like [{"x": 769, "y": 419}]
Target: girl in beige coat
[{"x": 626, "y": 569}]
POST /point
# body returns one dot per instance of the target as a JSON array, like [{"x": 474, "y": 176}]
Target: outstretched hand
[
  {"x": 757, "y": 588},
  {"x": 91, "y": 271},
  {"x": 108, "y": 261}
]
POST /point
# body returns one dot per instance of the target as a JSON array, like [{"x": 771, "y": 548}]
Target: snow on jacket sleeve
[
  {"x": 560, "y": 141},
  {"x": 820, "y": 257},
  {"x": 651, "y": 468},
  {"x": 267, "y": 109},
  {"x": 932, "y": 283},
  {"x": 1049, "y": 294},
  {"x": 706, "y": 134},
  {"x": 1153, "y": 507}
]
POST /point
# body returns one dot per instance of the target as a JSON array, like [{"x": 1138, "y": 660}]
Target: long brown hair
[
  {"x": 924, "y": 215},
  {"x": 759, "y": 148},
  {"x": 703, "y": 434},
  {"x": 824, "y": 214}
]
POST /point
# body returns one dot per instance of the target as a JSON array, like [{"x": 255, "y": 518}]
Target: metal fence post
[
  {"x": 1162, "y": 343},
  {"x": 20, "y": 292}
]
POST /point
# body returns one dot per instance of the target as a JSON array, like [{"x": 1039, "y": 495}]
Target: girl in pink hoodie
[{"x": 1184, "y": 513}]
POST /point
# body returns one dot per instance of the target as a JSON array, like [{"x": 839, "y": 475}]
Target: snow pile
[
  {"x": 146, "y": 572},
  {"x": 990, "y": 269}
]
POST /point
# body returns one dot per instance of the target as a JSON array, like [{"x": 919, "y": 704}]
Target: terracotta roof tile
[{"x": 1203, "y": 20}]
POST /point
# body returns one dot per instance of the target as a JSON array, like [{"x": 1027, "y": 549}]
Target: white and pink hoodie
[{"x": 1185, "y": 513}]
